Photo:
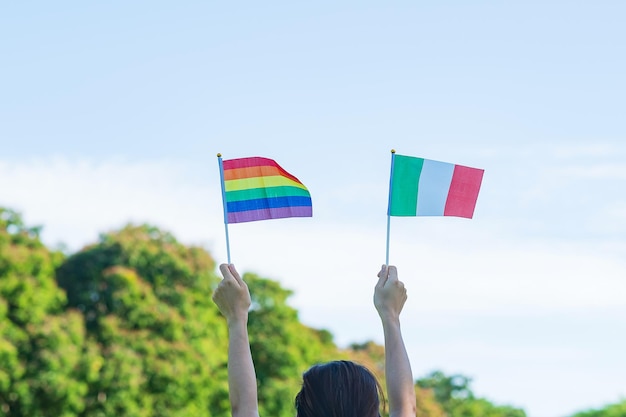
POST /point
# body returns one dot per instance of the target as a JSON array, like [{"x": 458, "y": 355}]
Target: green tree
[
  {"x": 146, "y": 300},
  {"x": 454, "y": 394},
  {"x": 612, "y": 410},
  {"x": 43, "y": 362},
  {"x": 447, "y": 388}
]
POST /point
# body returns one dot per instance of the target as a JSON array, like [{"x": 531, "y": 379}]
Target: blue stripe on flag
[{"x": 265, "y": 203}]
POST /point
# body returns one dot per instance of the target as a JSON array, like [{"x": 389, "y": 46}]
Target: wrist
[
  {"x": 237, "y": 321},
  {"x": 390, "y": 319}
]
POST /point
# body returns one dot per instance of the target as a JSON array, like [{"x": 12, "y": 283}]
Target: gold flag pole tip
[
  {"x": 393, "y": 151},
  {"x": 219, "y": 155}
]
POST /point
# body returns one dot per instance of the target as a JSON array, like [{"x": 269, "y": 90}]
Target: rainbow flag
[
  {"x": 422, "y": 187},
  {"x": 259, "y": 189}
]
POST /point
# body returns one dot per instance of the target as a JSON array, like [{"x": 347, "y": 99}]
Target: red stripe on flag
[
  {"x": 253, "y": 161},
  {"x": 255, "y": 164},
  {"x": 463, "y": 192}
]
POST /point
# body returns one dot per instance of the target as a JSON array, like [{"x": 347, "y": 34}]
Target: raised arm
[
  {"x": 233, "y": 299},
  {"x": 389, "y": 298}
]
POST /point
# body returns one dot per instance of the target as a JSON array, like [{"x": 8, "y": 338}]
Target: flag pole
[
  {"x": 393, "y": 154},
  {"x": 219, "y": 160}
]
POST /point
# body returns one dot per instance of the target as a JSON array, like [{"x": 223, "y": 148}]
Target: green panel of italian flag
[{"x": 423, "y": 187}]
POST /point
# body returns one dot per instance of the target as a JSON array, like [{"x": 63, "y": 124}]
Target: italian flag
[{"x": 423, "y": 187}]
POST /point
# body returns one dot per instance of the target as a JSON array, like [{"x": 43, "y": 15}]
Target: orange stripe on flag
[{"x": 251, "y": 172}]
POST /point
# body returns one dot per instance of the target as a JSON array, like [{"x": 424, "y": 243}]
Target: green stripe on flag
[{"x": 404, "y": 185}]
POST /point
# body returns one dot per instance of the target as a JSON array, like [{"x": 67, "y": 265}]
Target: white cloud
[{"x": 75, "y": 200}]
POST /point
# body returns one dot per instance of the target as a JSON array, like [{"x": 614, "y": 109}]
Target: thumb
[{"x": 227, "y": 273}]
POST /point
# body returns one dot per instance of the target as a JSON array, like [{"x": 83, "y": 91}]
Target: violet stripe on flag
[
  {"x": 423, "y": 187},
  {"x": 272, "y": 213},
  {"x": 259, "y": 189}
]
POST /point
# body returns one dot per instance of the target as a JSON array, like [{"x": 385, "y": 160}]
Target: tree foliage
[
  {"x": 146, "y": 302},
  {"x": 612, "y": 410},
  {"x": 42, "y": 371},
  {"x": 455, "y": 396},
  {"x": 126, "y": 326}
]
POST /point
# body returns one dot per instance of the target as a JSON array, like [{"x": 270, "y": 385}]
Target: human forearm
[
  {"x": 399, "y": 377},
  {"x": 241, "y": 375}
]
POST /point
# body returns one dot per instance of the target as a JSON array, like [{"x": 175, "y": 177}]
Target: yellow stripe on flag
[{"x": 261, "y": 182}]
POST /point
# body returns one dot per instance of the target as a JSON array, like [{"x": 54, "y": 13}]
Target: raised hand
[
  {"x": 389, "y": 293},
  {"x": 232, "y": 295}
]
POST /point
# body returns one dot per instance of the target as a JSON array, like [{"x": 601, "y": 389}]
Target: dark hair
[{"x": 339, "y": 389}]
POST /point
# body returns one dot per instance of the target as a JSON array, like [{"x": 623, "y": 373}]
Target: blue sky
[{"x": 114, "y": 112}]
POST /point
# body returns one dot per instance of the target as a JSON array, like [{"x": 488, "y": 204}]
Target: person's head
[{"x": 339, "y": 389}]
